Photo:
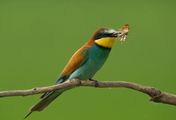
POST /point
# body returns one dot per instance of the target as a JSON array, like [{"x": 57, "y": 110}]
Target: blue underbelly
[{"x": 96, "y": 59}]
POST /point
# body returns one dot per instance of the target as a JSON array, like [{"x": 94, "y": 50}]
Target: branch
[{"x": 155, "y": 94}]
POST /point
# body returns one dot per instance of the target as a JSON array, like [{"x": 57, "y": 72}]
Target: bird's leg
[{"x": 95, "y": 81}]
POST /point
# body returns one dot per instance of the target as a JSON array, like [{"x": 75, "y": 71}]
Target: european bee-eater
[{"x": 85, "y": 62}]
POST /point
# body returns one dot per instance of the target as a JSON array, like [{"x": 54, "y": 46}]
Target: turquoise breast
[{"x": 97, "y": 56}]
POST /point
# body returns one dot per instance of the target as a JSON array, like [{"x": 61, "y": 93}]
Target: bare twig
[{"x": 155, "y": 94}]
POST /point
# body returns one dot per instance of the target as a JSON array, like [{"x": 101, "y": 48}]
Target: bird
[{"x": 85, "y": 62}]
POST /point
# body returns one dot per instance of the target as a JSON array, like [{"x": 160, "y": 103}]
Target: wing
[{"x": 78, "y": 58}]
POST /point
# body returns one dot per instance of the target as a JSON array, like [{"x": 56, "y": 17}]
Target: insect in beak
[{"x": 123, "y": 32}]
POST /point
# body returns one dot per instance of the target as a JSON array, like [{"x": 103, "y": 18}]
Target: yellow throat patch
[{"x": 106, "y": 42}]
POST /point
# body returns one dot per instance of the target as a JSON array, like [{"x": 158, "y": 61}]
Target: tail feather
[
  {"x": 45, "y": 101},
  {"x": 27, "y": 114}
]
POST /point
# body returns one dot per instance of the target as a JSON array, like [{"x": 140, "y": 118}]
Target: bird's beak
[
  {"x": 121, "y": 35},
  {"x": 115, "y": 34},
  {"x": 118, "y": 33}
]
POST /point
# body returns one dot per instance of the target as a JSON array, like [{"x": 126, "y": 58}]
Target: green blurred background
[{"x": 38, "y": 37}]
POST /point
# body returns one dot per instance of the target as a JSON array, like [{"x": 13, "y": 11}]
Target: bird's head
[{"x": 105, "y": 37}]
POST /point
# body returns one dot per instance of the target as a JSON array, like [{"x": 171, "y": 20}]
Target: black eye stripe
[{"x": 102, "y": 34}]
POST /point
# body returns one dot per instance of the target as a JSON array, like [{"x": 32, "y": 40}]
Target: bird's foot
[{"x": 95, "y": 82}]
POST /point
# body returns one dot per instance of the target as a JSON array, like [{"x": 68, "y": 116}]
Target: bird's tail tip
[{"x": 28, "y": 114}]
